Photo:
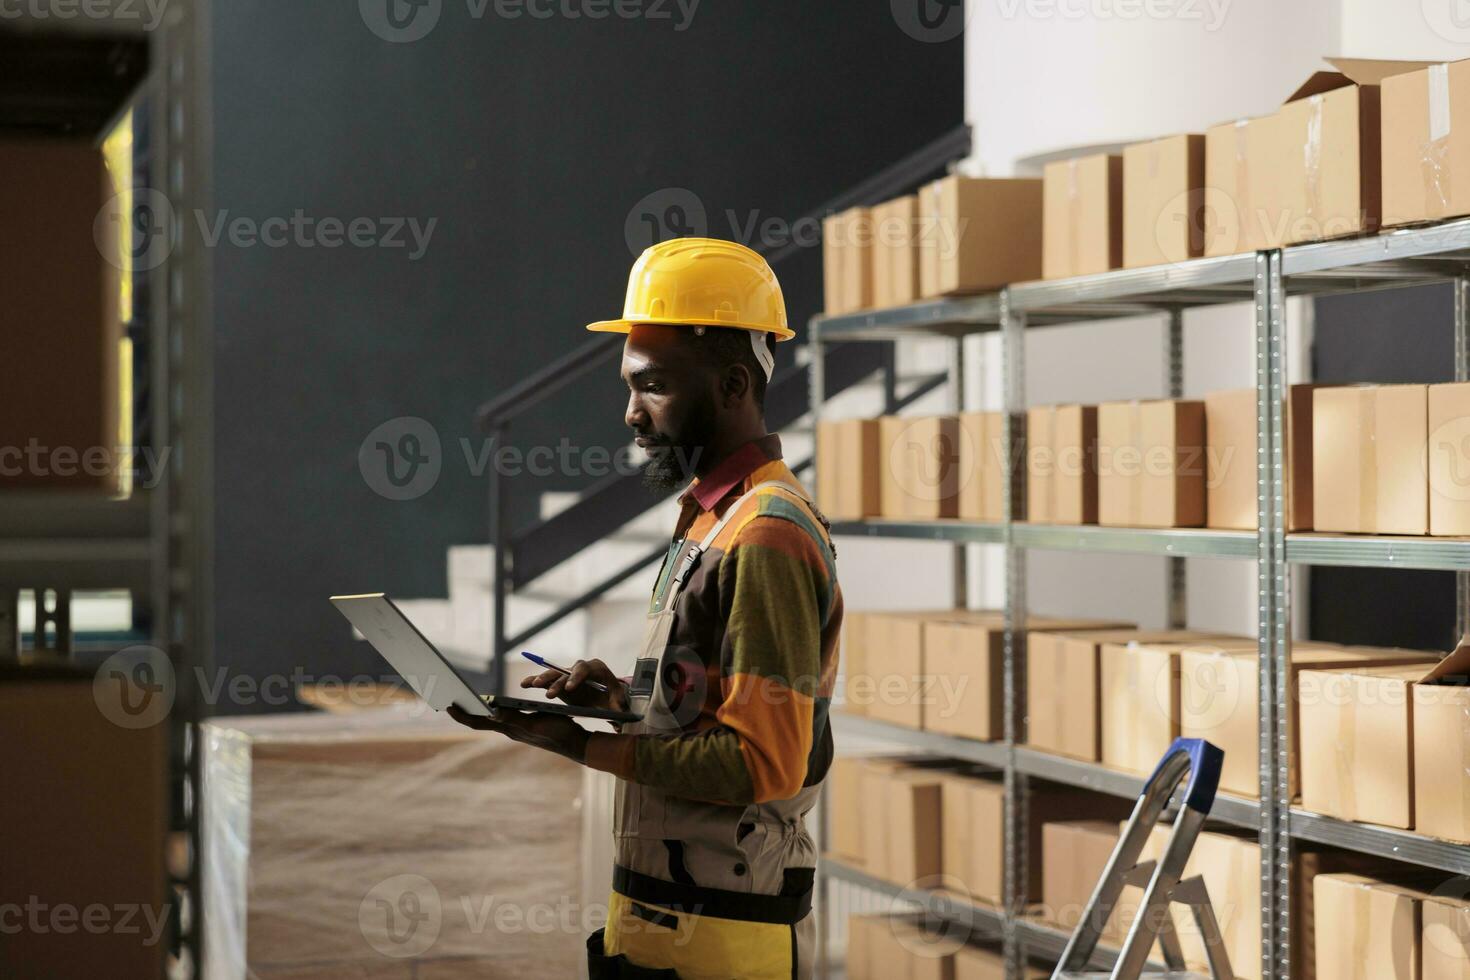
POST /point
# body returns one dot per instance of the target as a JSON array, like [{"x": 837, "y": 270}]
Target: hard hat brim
[{"x": 623, "y": 326}]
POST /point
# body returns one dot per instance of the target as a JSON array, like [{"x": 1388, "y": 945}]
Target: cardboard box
[
  {"x": 849, "y": 469},
  {"x": 1140, "y": 694},
  {"x": 920, "y": 466},
  {"x": 1449, "y": 459},
  {"x": 974, "y": 846},
  {"x": 1426, "y": 144},
  {"x": 1441, "y": 720},
  {"x": 1151, "y": 463},
  {"x": 1375, "y": 927},
  {"x": 845, "y": 800},
  {"x": 902, "y": 823},
  {"x": 1163, "y": 194},
  {"x": 290, "y": 857},
  {"x": 1061, "y": 470},
  {"x": 1230, "y": 459},
  {"x": 975, "y": 963},
  {"x": 1220, "y": 701},
  {"x": 897, "y": 685},
  {"x": 965, "y": 660},
  {"x": 1074, "y": 854},
  {"x": 910, "y": 952},
  {"x": 1063, "y": 691},
  {"x": 1359, "y": 729},
  {"x": 1239, "y": 185},
  {"x": 1082, "y": 216},
  {"x": 1368, "y": 459},
  {"x": 979, "y": 234},
  {"x": 1444, "y": 938},
  {"x": 86, "y": 810},
  {"x": 59, "y": 316},
  {"x": 895, "y": 252},
  {"x": 982, "y": 479},
  {"x": 847, "y": 261}
]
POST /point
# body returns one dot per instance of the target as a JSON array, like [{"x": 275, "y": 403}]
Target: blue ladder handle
[{"x": 1205, "y": 761}]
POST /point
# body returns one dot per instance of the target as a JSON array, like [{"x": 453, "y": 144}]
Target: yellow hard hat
[{"x": 702, "y": 282}]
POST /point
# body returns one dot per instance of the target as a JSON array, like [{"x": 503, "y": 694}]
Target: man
[{"x": 714, "y": 863}]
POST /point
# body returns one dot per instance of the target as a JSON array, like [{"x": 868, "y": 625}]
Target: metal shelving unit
[
  {"x": 1414, "y": 256},
  {"x": 74, "y": 72}
]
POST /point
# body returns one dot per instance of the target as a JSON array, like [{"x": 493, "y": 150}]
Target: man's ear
[{"x": 735, "y": 383}]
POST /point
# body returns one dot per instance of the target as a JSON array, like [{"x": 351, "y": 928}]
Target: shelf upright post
[
  {"x": 816, "y": 395},
  {"x": 1462, "y": 373},
  {"x": 1017, "y": 795},
  {"x": 1273, "y": 626},
  {"x": 1178, "y": 596},
  {"x": 961, "y": 550}
]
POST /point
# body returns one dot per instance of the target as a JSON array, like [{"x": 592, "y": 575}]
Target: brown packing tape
[
  {"x": 1312, "y": 156},
  {"x": 1367, "y": 460},
  {"x": 1242, "y": 182},
  {"x": 1433, "y": 156}
]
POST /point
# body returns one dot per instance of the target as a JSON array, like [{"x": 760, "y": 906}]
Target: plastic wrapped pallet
[{"x": 377, "y": 843}]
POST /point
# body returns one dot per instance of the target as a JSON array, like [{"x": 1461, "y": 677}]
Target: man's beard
[{"x": 672, "y": 461}]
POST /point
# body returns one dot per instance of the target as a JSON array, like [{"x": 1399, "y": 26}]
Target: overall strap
[{"x": 693, "y": 551}]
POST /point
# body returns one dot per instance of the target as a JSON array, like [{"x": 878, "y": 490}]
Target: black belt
[{"x": 716, "y": 902}]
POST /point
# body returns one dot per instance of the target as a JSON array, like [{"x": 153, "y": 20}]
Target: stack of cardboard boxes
[
  {"x": 957, "y": 235},
  {"x": 937, "y": 671},
  {"x": 884, "y": 948}
]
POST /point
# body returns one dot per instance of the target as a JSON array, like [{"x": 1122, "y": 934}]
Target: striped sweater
[{"x": 761, "y": 612}]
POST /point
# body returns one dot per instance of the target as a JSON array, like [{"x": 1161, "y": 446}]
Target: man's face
[{"x": 672, "y": 407}]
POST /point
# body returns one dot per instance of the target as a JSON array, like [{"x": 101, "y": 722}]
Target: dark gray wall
[
  {"x": 1404, "y": 336},
  {"x": 529, "y": 141}
]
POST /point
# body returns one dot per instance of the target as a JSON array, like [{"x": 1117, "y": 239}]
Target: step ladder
[{"x": 1160, "y": 880}]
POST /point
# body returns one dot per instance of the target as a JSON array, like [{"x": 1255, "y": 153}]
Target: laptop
[{"x": 433, "y": 677}]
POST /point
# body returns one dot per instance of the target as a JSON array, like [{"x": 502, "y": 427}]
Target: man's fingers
[
  {"x": 580, "y": 672},
  {"x": 544, "y": 679}
]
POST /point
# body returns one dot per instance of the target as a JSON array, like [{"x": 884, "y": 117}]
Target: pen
[{"x": 551, "y": 666}]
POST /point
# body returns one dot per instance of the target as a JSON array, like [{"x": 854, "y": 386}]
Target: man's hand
[
  {"x": 572, "y": 687},
  {"x": 554, "y": 733}
]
